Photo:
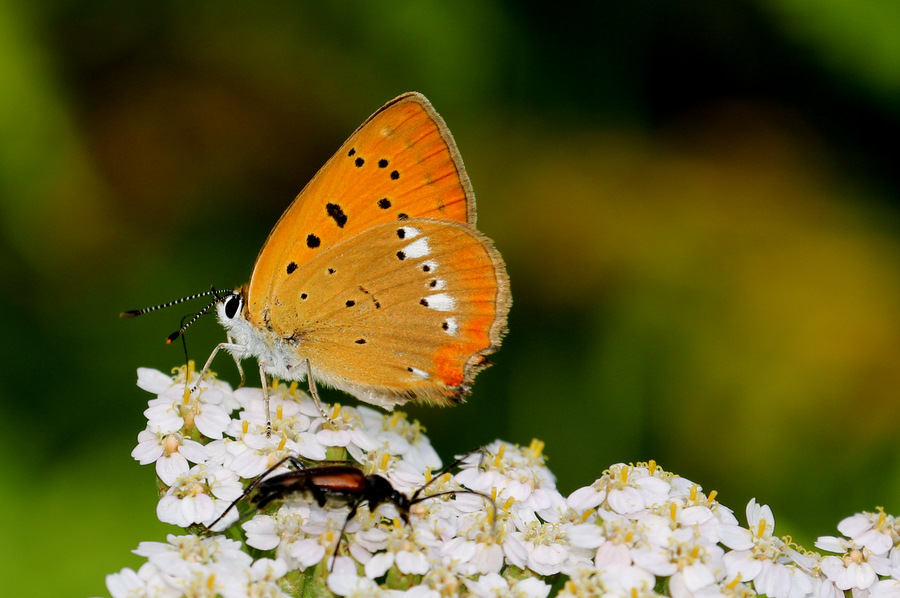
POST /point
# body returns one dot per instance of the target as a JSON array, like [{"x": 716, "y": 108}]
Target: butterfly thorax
[{"x": 277, "y": 356}]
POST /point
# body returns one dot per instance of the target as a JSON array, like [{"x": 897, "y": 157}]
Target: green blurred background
[{"x": 695, "y": 200}]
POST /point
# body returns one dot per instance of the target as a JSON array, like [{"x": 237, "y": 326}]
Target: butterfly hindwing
[{"x": 401, "y": 311}]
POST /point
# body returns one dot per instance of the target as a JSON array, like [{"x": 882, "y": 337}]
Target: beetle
[{"x": 336, "y": 484}]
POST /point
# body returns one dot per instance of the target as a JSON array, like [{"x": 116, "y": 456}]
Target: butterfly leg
[
  {"x": 262, "y": 375},
  {"x": 237, "y": 363},
  {"x": 228, "y": 347},
  {"x": 265, "y": 389},
  {"x": 314, "y": 392}
]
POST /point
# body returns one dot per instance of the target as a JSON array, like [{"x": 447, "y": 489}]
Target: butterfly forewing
[
  {"x": 401, "y": 163},
  {"x": 402, "y": 311}
]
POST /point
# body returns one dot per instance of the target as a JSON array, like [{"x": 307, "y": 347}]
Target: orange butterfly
[{"x": 374, "y": 280}]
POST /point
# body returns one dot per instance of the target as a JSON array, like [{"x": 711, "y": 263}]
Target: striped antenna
[
  {"x": 137, "y": 312},
  {"x": 196, "y": 317}
]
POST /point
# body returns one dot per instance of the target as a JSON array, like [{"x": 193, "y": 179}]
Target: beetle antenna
[
  {"x": 296, "y": 462},
  {"x": 457, "y": 463},
  {"x": 417, "y": 499},
  {"x": 489, "y": 500}
]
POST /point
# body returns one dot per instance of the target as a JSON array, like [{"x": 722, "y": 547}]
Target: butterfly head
[
  {"x": 230, "y": 306},
  {"x": 231, "y": 311}
]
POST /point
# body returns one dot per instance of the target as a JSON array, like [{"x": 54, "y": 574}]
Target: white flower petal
[
  {"x": 125, "y": 584},
  {"x": 735, "y": 537},
  {"x": 886, "y": 588},
  {"x": 193, "y": 451},
  {"x": 308, "y": 552},
  {"x": 170, "y": 468},
  {"x": 412, "y": 563},
  {"x": 379, "y": 564},
  {"x": 547, "y": 559},
  {"x": 611, "y": 554},
  {"x": 855, "y": 526},
  {"x": 697, "y": 576},
  {"x": 148, "y": 451},
  {"x": 212, "y": 421},
  {"x": 586, "y": 535},
  {"x": 831, "y": 544},
  {"x": 626, "y": 500},
  {"x": 773, "y": 580},
  {"x": 741, "y": 563},
  {"x": 153, "y": 380},
  {"x": 877, "y": 542},
  {"x": 531, "y": 587},
  {"x": 516, "y": 552},
  {"x": 585, "y": 498}
]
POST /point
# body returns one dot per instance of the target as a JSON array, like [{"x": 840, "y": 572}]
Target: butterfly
[{"x": 375, "y": 281}]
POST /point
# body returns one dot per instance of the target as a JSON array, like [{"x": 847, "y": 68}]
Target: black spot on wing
[{"x": 337, "y": 214}]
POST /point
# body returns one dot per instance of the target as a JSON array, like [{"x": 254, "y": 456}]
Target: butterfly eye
[{"x": 233, "y": 305}]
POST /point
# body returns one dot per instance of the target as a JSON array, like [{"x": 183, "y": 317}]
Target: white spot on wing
[
  {"x": 432, "y": 266},
  {"x": 441, "y": 302},
  {"x": 452, "y": 326},
  {"x": 418, "y": 248},
  {"x": 438, "y": 285},
  {"x": 419, "y": 373},
  {"x": 410, "y": 232}
]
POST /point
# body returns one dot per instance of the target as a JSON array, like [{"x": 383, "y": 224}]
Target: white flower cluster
[
  {"x": 636, "y": 531},
  {"x": 657, "y": 534}
]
